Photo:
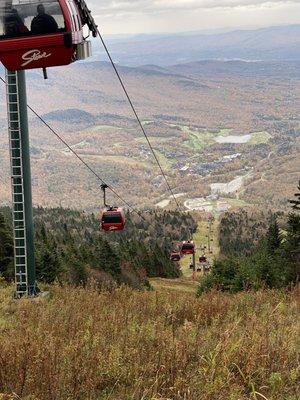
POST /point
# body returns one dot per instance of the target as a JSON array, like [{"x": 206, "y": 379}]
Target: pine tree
[
  {"x": 273, "y": 236},
  {"x": 6, "y": 250},
  {"x": 292, "y": 246},
  {"x": 48, "y": 264},
  {"x": 108, "y": 259},
  {"x": 296, "y": 203},
  {"x": 77, "y": 270}
]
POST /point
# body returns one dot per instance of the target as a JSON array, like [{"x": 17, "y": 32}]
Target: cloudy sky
[{"x": 149, "y": 16}]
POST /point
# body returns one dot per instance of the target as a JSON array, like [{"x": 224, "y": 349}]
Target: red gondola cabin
[
  {"x": 202, "y": 259},
  {"x": 175, "y": 256},
  {"x": 113, "y": 219},
  {"x": 43, "y": 33},
  {"x": 188, "y": 248}
]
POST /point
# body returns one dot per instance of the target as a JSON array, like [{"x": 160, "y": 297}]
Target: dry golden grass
[{"x": 81, "y": 344}]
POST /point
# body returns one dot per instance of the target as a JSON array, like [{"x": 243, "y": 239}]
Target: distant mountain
[
  {"x": 238, "y": 68},
  {"x": 274, "y": 43}
]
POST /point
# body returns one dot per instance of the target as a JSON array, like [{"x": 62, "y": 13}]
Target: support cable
[{"x": 137, "y": 116}]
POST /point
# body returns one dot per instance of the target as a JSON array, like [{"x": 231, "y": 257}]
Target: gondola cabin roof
[{"x": 41, "y": 33}]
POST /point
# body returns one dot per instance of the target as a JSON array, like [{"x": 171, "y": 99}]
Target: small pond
[{"x": 233, "y": 139}]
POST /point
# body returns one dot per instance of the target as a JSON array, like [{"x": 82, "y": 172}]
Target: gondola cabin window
[
  {"x": 112, "y": 218},
  {"x": 21, "y": 18}
]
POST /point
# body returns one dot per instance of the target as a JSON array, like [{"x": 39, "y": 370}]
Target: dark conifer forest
[{"x": 70, "y": 247}]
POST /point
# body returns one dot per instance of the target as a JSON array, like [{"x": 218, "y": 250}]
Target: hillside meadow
[{"x": 125, "y": 344}]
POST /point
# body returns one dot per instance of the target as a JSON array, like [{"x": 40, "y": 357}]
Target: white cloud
[
  {"x": 141, "y": 6},
  {"x": 132, "y": 16}
]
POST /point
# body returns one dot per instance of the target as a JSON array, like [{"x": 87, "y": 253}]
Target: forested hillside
[
  {"x": 257, "y": 250},
  {"x": 70, "y": 247},
  {"x": 242, "y": 231}
]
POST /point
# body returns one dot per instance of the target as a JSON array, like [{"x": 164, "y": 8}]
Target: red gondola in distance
[
  {"x": 202, "y": 259},
  {"x": 43, "y": 33},
  {"x": 188, "y": 247},
  {"x": 175, "y": 256},
  {"x": 113, "y": 219}
]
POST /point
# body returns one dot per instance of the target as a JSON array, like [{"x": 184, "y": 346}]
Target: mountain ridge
[{"x": 271, "y": 43}]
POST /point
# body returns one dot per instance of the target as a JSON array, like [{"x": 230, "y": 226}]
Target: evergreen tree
[
  {"x": 6, "y": 250},
  {"x": 108, "y": 259},
  {"x": 78, "y": 275},
  {"x": 273, "y": 236},
  {"x": 296, "y": 203},
  {"x": 292, "y": 247},
  {"x": 48, "y": 264}
]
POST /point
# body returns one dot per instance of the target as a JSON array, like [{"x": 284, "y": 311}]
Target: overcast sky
[{"x": 149, "y": 16}]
